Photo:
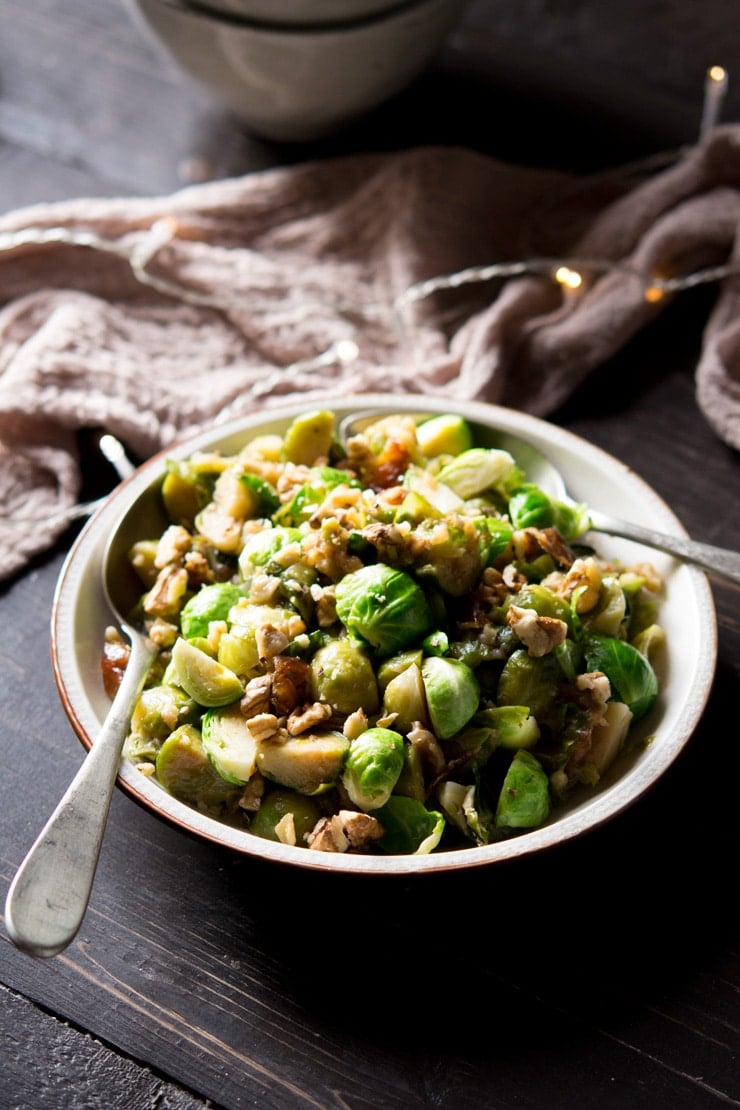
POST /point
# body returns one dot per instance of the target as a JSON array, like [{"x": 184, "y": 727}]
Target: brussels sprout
[
  {"x": 374, "y": 764},
  {"x": 185, "y": 771},
  {"x": 383, "y": 606},
  {"x": 188, "y": 486},
  {"x": 608, "y": 737},
  {"x": 159, "y": 710},
  {"x": 312, "y": 493},
  {"x": 436, "y": 643},
  {"x": 445, "y": 434},
  {"x": 304, "y": 763},
  {"x": 344, "y": 678},
  {"x": 210, "y": 603},
  {"x": 495, "y": 537},
  {"x": 237, "y": 648},
  {"x": 261, "y": 548},
  {"x": 530, "y": 507},
  {"x": 630, "y": 674},
  {"x": 514, "y": 725},
  {"x": 529, "y": 681},
  {"x": 476, "y": 470},
  {"x": 266, "y": 500},
  {"x": 229, "y": 744},
  {"x": 544, "y": 602},
  {"x": 405, "y": 697},
  {"x": 393, "y": 666},
  {"x": 429, "y": 496},
  {"x": 275, "y": 808},
  {"x": 309, "y": 437},
  {"x": 411, "y": 782},
  {"x": 456, "y": 800},
  {"x": 409, "y": 828},
  {"x": 206, "y": 680},
  {"x": 524, "y": 801},
  {"x": 452, "y": 693}
]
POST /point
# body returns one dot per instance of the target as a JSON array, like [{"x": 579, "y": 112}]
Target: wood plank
[{"x": 50, "y": 1065}]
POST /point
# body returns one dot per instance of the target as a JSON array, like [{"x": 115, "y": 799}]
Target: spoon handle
[
  {"x": 48, "y": 897},
  {"x": 715, "y": 560}
]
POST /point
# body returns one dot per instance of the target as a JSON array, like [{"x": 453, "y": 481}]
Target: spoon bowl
[{"x": 48, "y": 897}]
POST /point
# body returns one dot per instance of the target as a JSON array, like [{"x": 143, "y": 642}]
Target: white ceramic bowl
[
  {"x": 302, "y": 12},
  {"x": 686, "y": 613},
  {"x": 301, "y": 83}
]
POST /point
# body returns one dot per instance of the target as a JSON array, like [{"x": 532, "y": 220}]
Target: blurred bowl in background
[
  {"x": 301, "y": 83},
  {"x": 303, "y": 12}
]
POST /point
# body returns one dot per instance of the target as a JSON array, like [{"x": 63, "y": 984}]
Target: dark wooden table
[{"x": 602, "y": 975}]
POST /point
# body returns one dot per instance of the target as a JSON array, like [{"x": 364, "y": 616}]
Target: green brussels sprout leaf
[
  {"x": 452, "y": 692},
  {"x": 524, "y": 801},
  {"x": 409, "y": 827},
  {"x": 630, "y": 673},
  {"x": 210, "y": 603}
]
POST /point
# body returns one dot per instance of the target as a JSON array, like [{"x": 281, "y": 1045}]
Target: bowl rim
[
  {"x": 199, "y": 10},
  {"x": 602, "y": 805}
]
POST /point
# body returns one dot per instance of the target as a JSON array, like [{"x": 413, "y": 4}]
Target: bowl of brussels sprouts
[{"x": 382, "y": 646}]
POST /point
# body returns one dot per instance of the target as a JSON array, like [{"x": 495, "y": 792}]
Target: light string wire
[{"x": 569, "y": 273}]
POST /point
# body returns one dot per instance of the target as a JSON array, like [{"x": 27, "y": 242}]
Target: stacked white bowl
[{"x": 297, "y": 70}]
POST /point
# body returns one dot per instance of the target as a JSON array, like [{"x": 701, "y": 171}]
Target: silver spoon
[
  {"x": 49, "y": 894},
  {"x": 719, "y": 561}
]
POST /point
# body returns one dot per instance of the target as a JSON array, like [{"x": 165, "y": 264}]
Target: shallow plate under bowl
[{"x": 80, "y": 616}]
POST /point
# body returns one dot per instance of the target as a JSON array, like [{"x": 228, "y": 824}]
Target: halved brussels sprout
[
  {"x": 186, "y": 772},
  {"x": 446, "y": 434},
  {"x": 206, "y": 680},
  {"x": 309, "y": 437},
  {"x": 229, "y": 744},
  {"x": 304, "y": 763},
  {"x": 524, "y": 801},
  {"x": 452, "y": 694},
  {"x": 276, "y": 806}
]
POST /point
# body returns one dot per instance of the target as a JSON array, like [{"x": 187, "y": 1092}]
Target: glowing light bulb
[{"x": 568, "y": 278}]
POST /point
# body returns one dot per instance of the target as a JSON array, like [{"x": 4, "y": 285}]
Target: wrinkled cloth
[{"x": 279, "y": 266}]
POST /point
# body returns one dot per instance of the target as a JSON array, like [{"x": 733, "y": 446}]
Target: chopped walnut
[
  {"x": 264, "y": 726},
  {"x": 584, "y": 575},
  {"x": 162, "y": 633},
  {"x": 251, "y": 797},
  {"x": 538, "y": 634},
  {"x": 285, "y": 830},
  {"x": 173, "y": 545},
  {"x": 300, "y": 720},
  {"x": 513, "y": 578},
  {"x": 346, "y": 829},
  {"x": 167, "y": 594},
  {"x": 597, "y": 688},
  {"x": 355, "y": 724},
  {"x": 199, "y": 569},
  {"x": 270, "y": 641},
  {"x": 256, "y": 697},
  {"x": 263, "y": 588}
]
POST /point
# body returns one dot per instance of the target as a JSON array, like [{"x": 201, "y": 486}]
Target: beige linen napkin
[{"x": 279, "y": 266}]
